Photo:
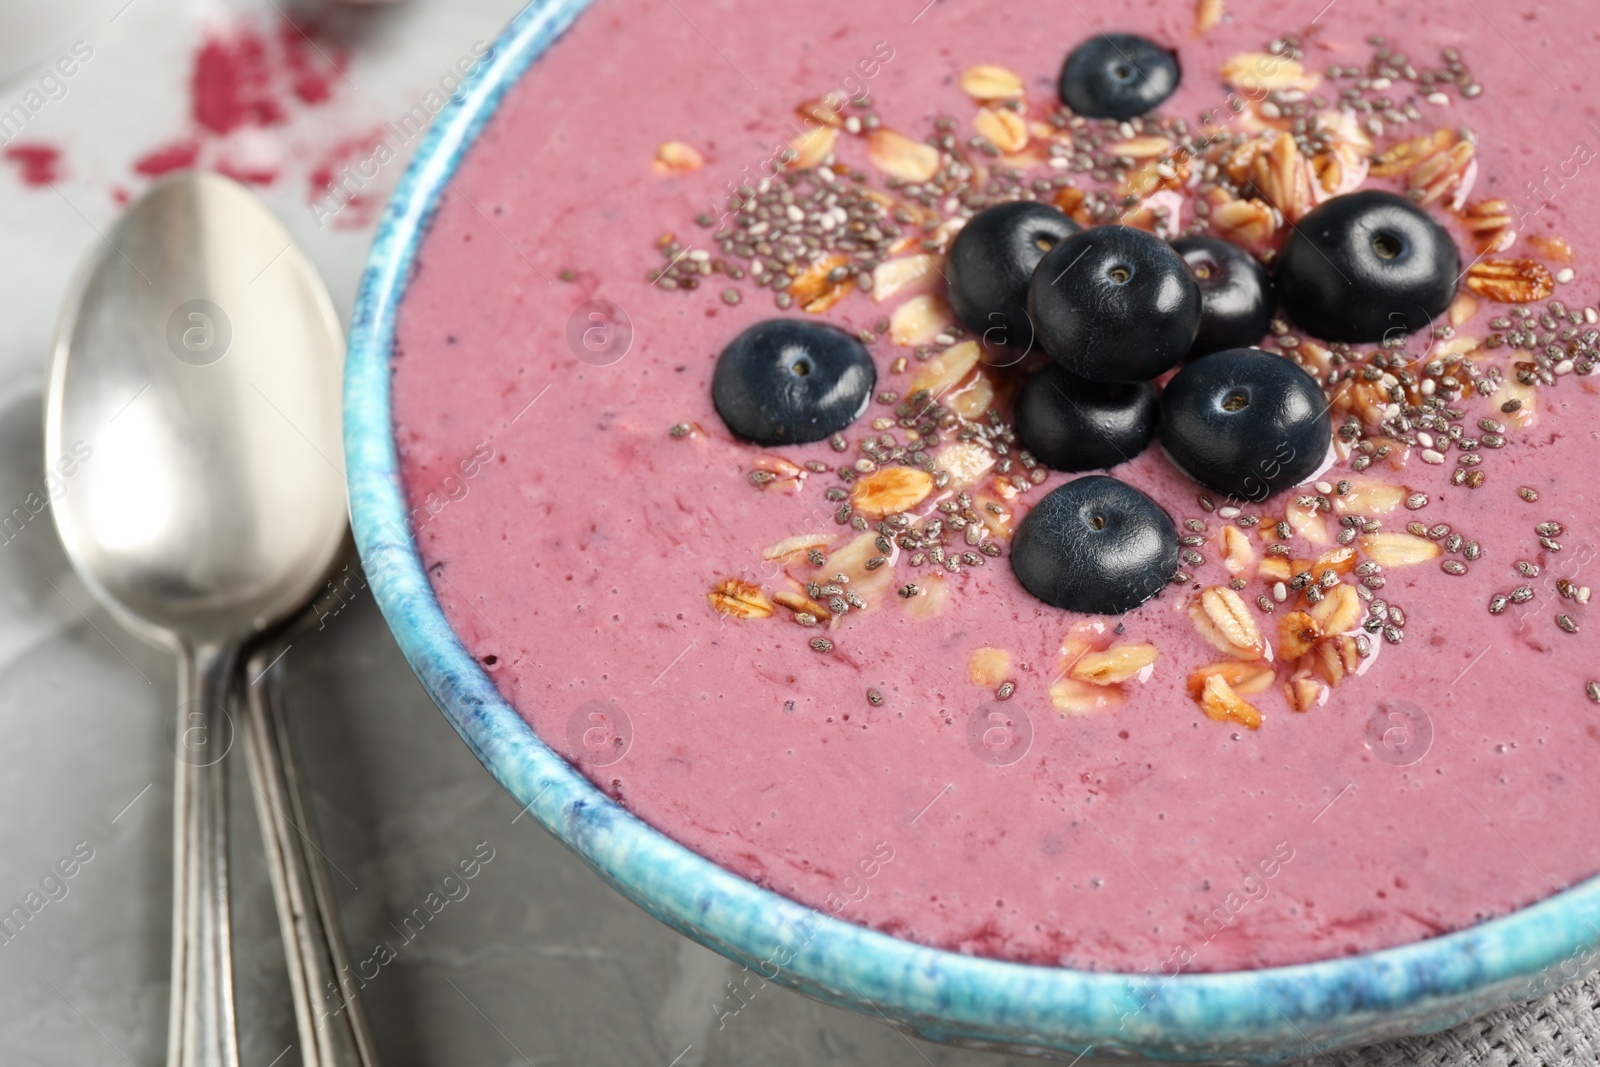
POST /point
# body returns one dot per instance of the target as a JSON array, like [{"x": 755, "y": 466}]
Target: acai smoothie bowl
[{"x": 1063, "y": 530}]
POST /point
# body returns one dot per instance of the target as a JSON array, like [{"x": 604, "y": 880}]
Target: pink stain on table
[
  {"x": 39, "y": 164},
  {"x": 233, "y": 83},
  {"x": 311, "y": 70},
  {"x": 247, "y": 173},
  {"x": 169, "y": 157},
  {"x": 339, "y": 181},
  {"x": 251, "y": 91},
  {"x": 255, "y": 97}
]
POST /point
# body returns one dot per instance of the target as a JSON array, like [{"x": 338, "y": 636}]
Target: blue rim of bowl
[{"x": 1252, "y": 1016}]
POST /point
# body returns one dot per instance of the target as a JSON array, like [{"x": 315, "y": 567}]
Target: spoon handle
[
  {"x": 332, "y": 1023},
  {"x": 201, "y": 1025}
]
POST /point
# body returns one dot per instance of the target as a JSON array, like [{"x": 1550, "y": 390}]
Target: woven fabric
[{"x": 1562, "y": 1030}]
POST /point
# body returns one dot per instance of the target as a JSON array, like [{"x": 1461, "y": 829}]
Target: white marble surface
[{"x": 540, "y": 963}]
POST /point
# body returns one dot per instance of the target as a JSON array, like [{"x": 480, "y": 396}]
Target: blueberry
[
  {"x": 1236, "y": 297},
  {"x": 1072, "y": 424},
  {"x": 1117, "y": 76},
  {"x": 1114, "y": 304},
  {"x": 786, "y": 381},
  {"x": 1095, "y": 545},
  {"x": 1246, "y": 423},
  {"x": 1365, "y": 266},
  {"x": 991, "y": 263}
]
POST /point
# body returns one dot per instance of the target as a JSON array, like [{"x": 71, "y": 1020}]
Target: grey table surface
[{"x": 540, "y": 963}]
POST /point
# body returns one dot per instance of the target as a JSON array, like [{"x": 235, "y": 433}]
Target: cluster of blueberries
[{"x": 1115, "y": 308}]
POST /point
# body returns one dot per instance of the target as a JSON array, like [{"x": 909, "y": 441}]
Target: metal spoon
[
  {"x": 200, "y": 359},
  {"x": 337, "y": 1035}
]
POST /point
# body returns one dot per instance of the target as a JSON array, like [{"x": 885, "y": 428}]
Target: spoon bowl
[{"x": 201, "y": 366}]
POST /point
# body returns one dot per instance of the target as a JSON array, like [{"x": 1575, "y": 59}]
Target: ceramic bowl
[{"x": 1257, "y": 1017}]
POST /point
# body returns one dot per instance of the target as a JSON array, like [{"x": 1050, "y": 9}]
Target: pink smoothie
[{"x": 572, "y": 539}]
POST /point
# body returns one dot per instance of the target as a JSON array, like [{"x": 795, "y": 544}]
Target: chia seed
[
  {"x": 822, "y": 644},
  {"x": 1565, "y": 622},
  {"x": 874, "y": 698}
]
